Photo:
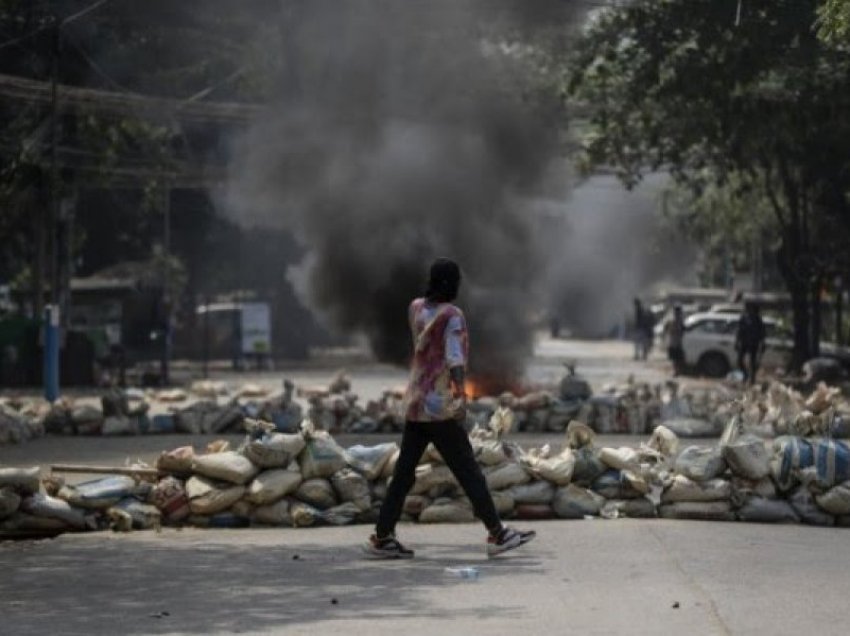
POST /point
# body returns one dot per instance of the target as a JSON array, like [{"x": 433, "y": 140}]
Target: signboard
[{"x": 256, "y": 329}]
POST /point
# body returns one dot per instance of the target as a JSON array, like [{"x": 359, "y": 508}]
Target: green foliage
[
  {"x": 834, "y": 22},
  {"x": 755, "y": 109}
]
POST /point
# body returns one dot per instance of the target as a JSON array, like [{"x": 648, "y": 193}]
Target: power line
[
  {"x": 123, "y": 103},
  {"x": 60, "y": 23},
  {"x": 83, "y": 12}
]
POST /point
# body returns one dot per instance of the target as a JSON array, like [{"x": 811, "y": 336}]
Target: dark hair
[{"x": 443, "y": 281}]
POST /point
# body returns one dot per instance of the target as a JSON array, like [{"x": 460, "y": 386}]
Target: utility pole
[
  {"x": 53, "y": 210},
  {"x": 52, "y": 314}
]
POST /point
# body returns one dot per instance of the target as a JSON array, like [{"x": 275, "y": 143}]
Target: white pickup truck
[{"x": 709, "y": 343}]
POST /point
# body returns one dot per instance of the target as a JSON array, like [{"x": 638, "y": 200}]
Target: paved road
[{"x": 579, "y": 577}]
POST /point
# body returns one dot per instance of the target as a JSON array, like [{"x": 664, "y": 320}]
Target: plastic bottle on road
[{"x": 468, "y": 573}]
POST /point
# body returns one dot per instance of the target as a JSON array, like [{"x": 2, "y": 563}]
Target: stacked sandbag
[{"x": 305, "y": 479}]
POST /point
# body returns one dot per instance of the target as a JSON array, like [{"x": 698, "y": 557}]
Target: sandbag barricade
[{"x": 305, "y": 479}]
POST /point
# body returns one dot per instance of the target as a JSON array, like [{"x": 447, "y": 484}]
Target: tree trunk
[
  {"x": 787, "y": 262},
  {"x": 816, "y": 317}
]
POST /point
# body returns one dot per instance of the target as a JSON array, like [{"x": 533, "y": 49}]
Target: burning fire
[{"x": 482, "y": 386}]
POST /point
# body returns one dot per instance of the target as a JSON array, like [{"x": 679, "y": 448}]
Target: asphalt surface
[{"x": 579, "y": 577}]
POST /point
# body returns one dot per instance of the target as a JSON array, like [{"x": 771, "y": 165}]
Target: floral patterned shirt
[{"x": 440, "y": 342}]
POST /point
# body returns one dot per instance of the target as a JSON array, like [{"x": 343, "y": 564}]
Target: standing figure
[
  {"x": 435, "y": 409},
  {"x": 750, "y": 341},
  {"x": 643, "y": 331}
]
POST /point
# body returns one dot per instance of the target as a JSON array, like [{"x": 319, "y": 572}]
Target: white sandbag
[
  {"x": 271, "y": 485},
  {"x": 370, "y": 461},
  {"x": 745, "y": 454},
  {"x": 321, "y": 457},
  {"x": 317, "y": 492},
  {"x": 683, "y": 489},
  {"x": 615, "y": 484},
  {"x": 803, "y": 502},
  {"x": 198, "y": 487},
  {"x": 489, "y": 452},
  {"x": 836, "y": 500},
  {"x": 170, "y": 498},
  {"x": 23, "y": 521},
  {"x": 761, "y": 510},
  {"x": 623, "y": 458},
  {"x": 120, "y": 425},
  {"x": 636, "y": 481},
  {"x": 177, "y": 461},
  {"x": 447, "y": 511},
  {"x": 340, "y": 515},
  {"x": 700, "y": 464},
  {"x": 207, "y": 499},
  {"x": 415, "y": 504},
  {"x": 431, "y": 455},
  {"x": 557, "y": 470},
  {"x": 574, "y": 502},
  {"x": 103, "y": 493},
  {"x": 502, "y": 421},
  {"x": 228, "y": 466},
  {"x": 535, "y": 492},
  {"x": 430, "y": 477},
  {"x": 41, "y": 505},
  {"x": 505, "y": 476},
  {"x": 664, "y": 441},
  {"x": 504, "y": 502},
  {"x": 276, "y": 514},
  {"x": 743, "y": 489},
  {"x": 704, "y": 510},
  {"x": 352, "y": 487},
  {"x": 389, "y": 467},
  {"x": 303, "y": 515},
  {"x": 579, "y": 435},
  {"x": 640, "y": 508},
  {"x": 143, "y": 516},
  {"x": 276, "y": 450},
  {"x": 587, "y": 466},
  {"x": 10, "y": 501},
  {"x": 23, "y": 480},
  {"x": 692, "y": 427}
]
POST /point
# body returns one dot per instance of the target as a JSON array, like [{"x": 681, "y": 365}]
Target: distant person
[
  {"x": 750, "y": 341},
  {"x": 643, "y": 331},
  {"x": 435, "y": 408},
  {"x": 675, "y": 329}
]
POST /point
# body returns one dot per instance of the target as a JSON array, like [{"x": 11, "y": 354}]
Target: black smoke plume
[{"x": 397, "y": 137}]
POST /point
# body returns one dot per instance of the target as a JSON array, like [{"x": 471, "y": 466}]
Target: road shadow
[{"x": 90, "y": 585}]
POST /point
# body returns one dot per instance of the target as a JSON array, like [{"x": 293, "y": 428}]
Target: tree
[
  {"x": 755, "y": 104},
  {"x": 834, "y": 22}
]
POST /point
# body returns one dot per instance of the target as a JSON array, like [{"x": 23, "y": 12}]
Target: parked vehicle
[{"x": 709, "y": 343}]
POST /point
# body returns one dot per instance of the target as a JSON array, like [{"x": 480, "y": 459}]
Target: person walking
[
  {"x": 750, "y": 341},
  {"x": 435, "y": 404}
]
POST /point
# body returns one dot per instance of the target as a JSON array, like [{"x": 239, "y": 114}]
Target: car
[{"x": 709, "y": 343}]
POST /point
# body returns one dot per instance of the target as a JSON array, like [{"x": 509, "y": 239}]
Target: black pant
[
  {"x": 753, "y": 354},
  {"x": 453, "y": 444}
]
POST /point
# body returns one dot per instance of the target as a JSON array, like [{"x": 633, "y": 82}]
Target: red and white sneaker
[{"x": 507, "y": 539}]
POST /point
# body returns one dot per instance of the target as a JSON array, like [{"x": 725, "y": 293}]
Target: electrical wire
[{"x": 45, "y": 27}]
